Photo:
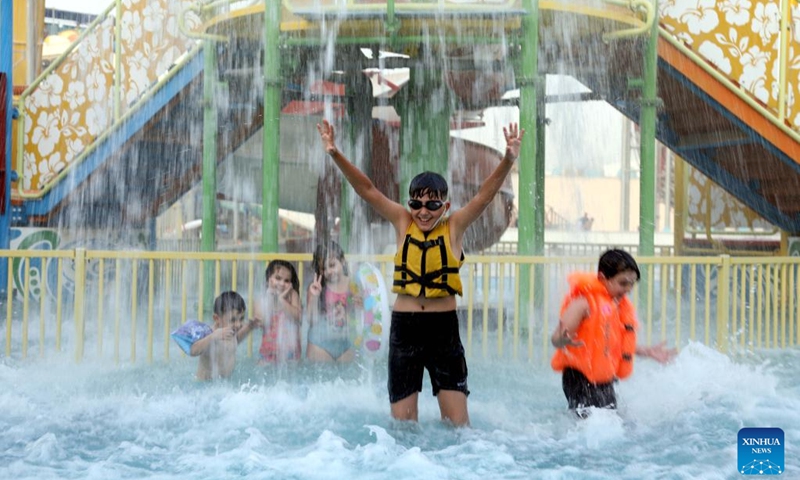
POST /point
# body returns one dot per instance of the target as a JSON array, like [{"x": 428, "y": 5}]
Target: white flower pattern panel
[
  {"x": 708, "y": 204},
  {"x": 742, "y": 40},
  {"x": 74, "y": 105},
  {"x": 149, "y": 48}
]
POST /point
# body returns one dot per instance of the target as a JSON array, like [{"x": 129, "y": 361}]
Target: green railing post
[{"x": 272, "y": 128}]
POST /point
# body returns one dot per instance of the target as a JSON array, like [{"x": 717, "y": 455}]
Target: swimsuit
[
  {"x": 331, "y": 332},
  {"x": 281, "y": 339}
]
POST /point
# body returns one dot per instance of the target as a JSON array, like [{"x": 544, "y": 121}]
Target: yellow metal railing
[{"x": 123, "y": 305}]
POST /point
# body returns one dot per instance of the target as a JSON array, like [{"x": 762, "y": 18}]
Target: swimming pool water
[{"x": 63, "y": 420}]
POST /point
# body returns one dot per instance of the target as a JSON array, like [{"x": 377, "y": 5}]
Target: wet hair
[
  {"x": 274, "y": 265},
  {"x": 430, "y": 183},
  {"x": 616, "y": 261},
  {"x": 321, "y": 255},
  {"x": 228, "y": 302}
]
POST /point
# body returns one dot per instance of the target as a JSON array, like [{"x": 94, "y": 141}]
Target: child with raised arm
[
  {"x": 217, "y": 350},
  {"x": 424, "y": 331},
  {"x": 331, "y": 304},
  {"x": 280, "y": 313},
  {"x": 596, "y": 334}
]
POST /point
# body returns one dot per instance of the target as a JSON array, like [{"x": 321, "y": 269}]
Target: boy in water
[
  {"x": 217, "y": 350},
  {"x": 596, "y": 335},
  {"x": 424, "y": 332}
]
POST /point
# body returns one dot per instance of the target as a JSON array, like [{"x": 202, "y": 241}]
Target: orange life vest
[{"x": 608, "y": 334}]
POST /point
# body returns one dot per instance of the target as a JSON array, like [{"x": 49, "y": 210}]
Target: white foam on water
[{"x": 67, "y": 420}]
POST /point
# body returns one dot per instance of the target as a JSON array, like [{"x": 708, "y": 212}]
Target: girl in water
[{"x": 280, "y": 313}]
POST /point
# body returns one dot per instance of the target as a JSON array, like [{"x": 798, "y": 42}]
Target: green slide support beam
[
  {"x": 531, "y": 158},
  {"x": 209, "y": 241},
  {"x": 647, "y": 125},
  {"x": 647, "y": 122},
  {"x": 425, "y": 111},
  {"x": 272, "y": 128}
]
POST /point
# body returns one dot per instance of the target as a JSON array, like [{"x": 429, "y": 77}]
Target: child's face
[
  {"x": 233, "y": 318},
  {"x": 280, "y": 280},
  {"x": 332, "y": 269},
  {"x": 620, "y": 284},
  {"x": 425, "y": 218}
]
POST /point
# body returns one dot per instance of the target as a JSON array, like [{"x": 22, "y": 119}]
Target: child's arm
[
  {"x": 392, "y": 211},
  {"x": 201, "y": 346},
  {"x": 660, "y": 353},
  {"x": 312, "y": 298},
  {"x": 245, "y": 330},
  {"x": 463, "y": 217},
  {"x": 290, "y": 301},
  {"x": 571, "y": 319}
]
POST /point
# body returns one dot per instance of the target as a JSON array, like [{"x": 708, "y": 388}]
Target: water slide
[{"x": 113, "y": 132}]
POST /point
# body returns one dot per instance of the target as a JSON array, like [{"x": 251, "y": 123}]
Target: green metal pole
[
  {"x": 531, "y": 186},
  {"x": 208, "y": 243},
  {"x": 209, "y": 240},
  {"x": 647, "y": 123},
  {"x": 531, "y": 160},
  {"x": 425, "y": 127},
  {"x": 272, "y": 128},
  {"x": 407, "y": 168},
  {"x": 647, "y": 153}
]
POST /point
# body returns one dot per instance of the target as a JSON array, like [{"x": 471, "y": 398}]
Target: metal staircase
[{"x": 113, "y": 125}]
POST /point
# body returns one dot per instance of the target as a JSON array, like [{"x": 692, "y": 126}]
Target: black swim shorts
[
  {"x": 425, "y": 340},
  {"x": 581, "y": 393}
]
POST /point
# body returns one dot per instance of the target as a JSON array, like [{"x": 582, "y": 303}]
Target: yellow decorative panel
[
  {"x": 709, "y": 206},
  {"x": 69, "y": 109},
  {"x": 793, "y": 67},
  {"x": 151, "y": 42},
  {"x": 740, "y": 38},
  {"x": 74, "y": 105}
]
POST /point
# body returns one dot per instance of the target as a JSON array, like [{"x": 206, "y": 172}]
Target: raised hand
[
  {"x": 513, "y": 136},
  {"x": 328, "y": 136},
  {"x": 315, "y": 289},
  {"x": 286, "y": 295}
]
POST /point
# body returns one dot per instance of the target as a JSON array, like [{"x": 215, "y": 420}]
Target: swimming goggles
[{"x": 431, "y": 205}]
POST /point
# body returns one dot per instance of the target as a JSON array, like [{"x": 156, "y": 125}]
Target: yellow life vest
[
  {"x": 608, "y": 334},
  {"x": 425, "y": 265}
]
